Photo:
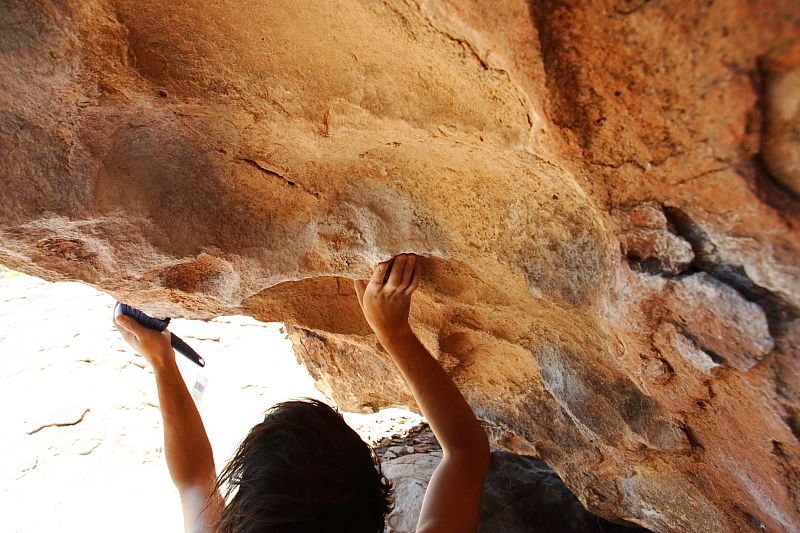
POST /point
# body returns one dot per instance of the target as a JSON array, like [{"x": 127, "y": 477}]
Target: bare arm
[
  {"x": 452, "y": 501},
  {"x": 186, "y": 446}
]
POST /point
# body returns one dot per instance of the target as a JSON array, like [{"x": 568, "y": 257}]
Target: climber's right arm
[{"x": 452, "y": 500}]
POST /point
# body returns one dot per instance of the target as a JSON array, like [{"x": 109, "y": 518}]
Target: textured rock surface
[
  {"x": 648, "y": 242},
  {"x": 605, "y": 192},
  {"x": 782, "y": 115}
]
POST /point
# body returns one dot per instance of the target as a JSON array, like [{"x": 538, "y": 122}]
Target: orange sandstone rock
[{"x": 604, "y": 193}]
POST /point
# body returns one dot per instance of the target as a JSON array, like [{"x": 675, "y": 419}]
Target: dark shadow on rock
[{"x": 521, "y": 494}]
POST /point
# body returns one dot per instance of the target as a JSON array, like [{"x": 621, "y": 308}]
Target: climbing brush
[{"x": 159, "y": 325}]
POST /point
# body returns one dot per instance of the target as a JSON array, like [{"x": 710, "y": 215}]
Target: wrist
[
  {"x": 396, "y": 335},
  {"x": 162, "y": 360}
]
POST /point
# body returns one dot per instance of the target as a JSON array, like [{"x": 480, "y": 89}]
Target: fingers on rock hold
[
  {"x": 415, "y": 279},
  {"x": 408, "y": 271},
  {"x": 396, "y": 274},
  {"x": 378, "y": 274}
]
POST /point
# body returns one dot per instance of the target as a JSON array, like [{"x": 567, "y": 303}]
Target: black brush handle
[
  {"x": 180, "y": 345},
  {"x": 159, "y": 325}
]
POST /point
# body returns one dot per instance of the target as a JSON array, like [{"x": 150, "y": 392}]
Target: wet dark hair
[{"x": 303, "y": 469}]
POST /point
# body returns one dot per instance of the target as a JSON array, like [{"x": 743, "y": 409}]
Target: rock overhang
[{"x": 260, "y": 161}]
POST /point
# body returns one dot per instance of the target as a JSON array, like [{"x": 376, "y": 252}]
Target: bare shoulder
[
  {"x": 452, "y": 501},
  {"x": 200, "y": 513}
]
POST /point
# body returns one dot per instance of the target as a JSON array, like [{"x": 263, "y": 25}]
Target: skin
[
  {"x": 189, "y": 457},
  {"x": 452, "y": 500}
]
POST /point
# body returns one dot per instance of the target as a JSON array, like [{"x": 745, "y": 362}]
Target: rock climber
[{"x": 303, "y": 469}]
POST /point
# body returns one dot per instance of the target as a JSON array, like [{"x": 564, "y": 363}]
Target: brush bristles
[{"x": 144, "y": 319}]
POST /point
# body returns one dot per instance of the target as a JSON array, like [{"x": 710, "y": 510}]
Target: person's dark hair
[{"x": 303, "y": 469}]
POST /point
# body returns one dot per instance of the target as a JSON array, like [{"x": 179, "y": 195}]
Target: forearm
[
  {"x": 186, "y": 446},
  {"x": 448, "y": 413}
]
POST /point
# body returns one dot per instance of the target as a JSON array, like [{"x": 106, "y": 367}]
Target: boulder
[
  {"x": 521, "y": 494},
  {"x": 601, "y": 193},
  {"x": 649, "y": 243},
  {"x": 782, "y": 115}
]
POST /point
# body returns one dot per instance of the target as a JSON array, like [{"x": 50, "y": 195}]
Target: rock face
[
  {"x": 605, "y": 194},
  {"x": 521, "y": 494},
  {"x": 782, "y": 105}
]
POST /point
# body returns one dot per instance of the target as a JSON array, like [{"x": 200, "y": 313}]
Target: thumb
[
  {"x": 129, "y": 324},
  {"x": 360, "y": 287}
]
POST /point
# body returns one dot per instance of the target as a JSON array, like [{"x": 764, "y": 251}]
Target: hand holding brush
[{"x": 149, "y": 336}]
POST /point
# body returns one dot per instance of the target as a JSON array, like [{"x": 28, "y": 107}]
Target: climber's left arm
[{"x": 186, "y": 446}]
